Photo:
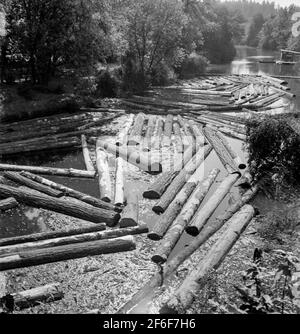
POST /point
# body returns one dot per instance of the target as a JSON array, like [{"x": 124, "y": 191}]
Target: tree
[{"x": 254, "y": 30}]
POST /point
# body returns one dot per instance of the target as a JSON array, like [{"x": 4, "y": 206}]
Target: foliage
[
  {"x": 274, "y": 148},
  {"x": 194, "y": 65},
  {"x": 265, "y": 291},
  {"x": 254, "y": 30},
  {"x": 106, "y": 84}
]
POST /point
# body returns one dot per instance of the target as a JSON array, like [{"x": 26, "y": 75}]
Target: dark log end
[
  {"x": 151, "y": 194},
  {"x": 159, "y": 259},
  {"x": 168, "y": 310},
  {"x": 114, "y": 221},
  {"x": 158, "y": 209},
  {"x": 154, "y": 236},
  {"x": 155, "y": 168},
  {"x": 242, "y": 166},
  {"x": 192, "y": 230},
  {"x": 106, "y": 199},
  {"x": 128, "y": 222}
]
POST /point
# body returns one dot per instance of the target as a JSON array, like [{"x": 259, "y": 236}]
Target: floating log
[
  {"x": 149, "y": 133},
  {"x": 221, "y": 151},
  {"x": 156, "y": 141},
  {"x": 86, "y": 155},
  {"x": 8, "y": 203},
  {"x": 178, "y": 138},
  {"x": 33, "y": 297},
  {"x": 178, "y": 226},
  {"x": 77, "y": 210},
  {"x": 51, "y": 235},
  {"x": 122, "y": 136},
  {"x": 235, "y": 157},
  {"x": 202, "y": 216},
  {"x": 67, "y": 252},
  {"x": 70, "y": 172},
  {"x": 187, "y": 137},
  {"x": 137, "y": 129},
  {"x": 72, "y": 193},
  {"x": 181, "y": 179},
  {"x": 105, "y": 185},
  {"x": 130, "y": 214},
  {"x": 172, "y": 211},
  {"x": 184, "y": 296},
  {"x": 168, "y": 130},
  {"x": 134, "y": 157},
  {"x": 17, "y": 178},
  {"x": 74, "y": 239},
  {"x": 119, "y": 182},
  {"x": 158, "y": 279},
  {"x": 197, "y": 132}
]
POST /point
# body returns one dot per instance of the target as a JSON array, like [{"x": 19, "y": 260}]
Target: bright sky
[{"x": 283, "y": 2}]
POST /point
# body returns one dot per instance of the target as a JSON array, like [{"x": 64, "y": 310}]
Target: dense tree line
[
  {"x": 147, "y": 37},
  {"x": 249, "y": 8}
]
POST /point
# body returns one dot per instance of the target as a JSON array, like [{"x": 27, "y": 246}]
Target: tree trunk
[
  {"x": 187, "y": 292},
  {"x": 178, "y": 226},
  {"x": 63, "y": 253},
  {"x": 204, "y": 213},
  {"x": 77, "y": 210}
]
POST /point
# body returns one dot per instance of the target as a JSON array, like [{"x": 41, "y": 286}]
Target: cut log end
[
  {"x": 128, "y": 222},
  {"x": 155, "y": 168},
  {"x": 158, "y": 209},
  {"x": 151, "y": 194},
  {"x": 192, "y": 230},
  {"x": 154, "y": 236},
  {"x": 106, "y": 199},
  {"x": 242, "y": 166},
  {"x": 159, "y": 259}
]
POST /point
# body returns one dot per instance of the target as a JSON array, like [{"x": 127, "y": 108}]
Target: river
[{"x": 26, "y": 220}]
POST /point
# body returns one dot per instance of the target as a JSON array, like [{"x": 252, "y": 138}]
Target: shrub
[
  {"x": 193, "y": 66},
  {"x": 274, "y": 148},
  {"x": 162, "y": 75}
]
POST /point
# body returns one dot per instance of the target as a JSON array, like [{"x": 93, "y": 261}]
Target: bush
[
  {"x": 193, "y": 66},
  {"x": 274, "y": 148},
  {"x": 162, "y": 75}
]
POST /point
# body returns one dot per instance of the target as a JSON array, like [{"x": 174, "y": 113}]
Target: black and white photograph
[{"x": 149, "y": 160}]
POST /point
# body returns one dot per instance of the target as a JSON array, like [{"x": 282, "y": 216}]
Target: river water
[{"x": 25, "y": 220}]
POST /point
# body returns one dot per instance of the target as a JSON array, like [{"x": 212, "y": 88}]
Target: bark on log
[
  {"x": 134, "y": 157},
  {"x": 86, "y": 155},
  {"x": 203, "y": 214},
  {"x": 181, "y": 179},
  {"x": 75, "y": 239},
  {"x": 149, "y": 133},
  {"x": 178, "y": 226},
  {"x": 184, "y": 296},
  {"x": 168, "y": 130},
  {"x": 178, "y": 138},
  {"x": 130, "y": 214},
  {"x": 51, "y": 235},
  {"x": 73, "y": 193},
  {"x": 33, "y": 297},
  {"x": 136, "y": 133},
  {"x": 188, "y": 137},
  {"x": 119, "y": 182},
  {"x": 157, "y": 280},
  {"x": 49, "y": 171},
  {"x": 105, "y": 185},
  {"x": 8, "y": 203},
  {"x": 63, "y": 253},
  {"x": 156, "y": 142},
  {"x": 221, "y": 151},
  {"x": 77, "y": 210},
  {"x": 17, "y": 178},
  {"x": 122, "y": 136}
]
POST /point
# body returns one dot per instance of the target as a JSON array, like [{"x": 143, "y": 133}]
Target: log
[
  {"x": 149, "y": 133},
  {"x": 67, "y": 252},
  {"x": 156, "y": 142},
  {"x": 158, "y": 279},
  {"x": 202, "y": 216},
  {"x": 188, "y": 137},
  {"x": 86, "y": 155},
  {"x": 70, "y": 172},
  {"x": 137, "y": 129},
  {"x": 134, "y": 157},
  {"x": 197, "y": 132},
  {"x": 119, "y": 182},
  {"x": 77, "y": 210},
  {"x": 221, "y": 151},
  {"x": 130, "y": 214},
  {"x": 73, "y": 193},
  {"x": 105, "y": 186},
  {"x": 181, "y": 179},
  {"x": 8, "y": 203},
  {"x": 168, "y": 130},
  {"x": 178, "y": 226},
  {"x": 33, "y": 297},
  {"x": 235, "y": 157},
  {"x": 17, "y": 178},
  {"x": 51, "y": 235},
  {"x": 122, "y": 136},
  {"x": 74, "y": 239},
  {"x": 178, "y": 138},
  {"x": 184, "y": 296}
]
